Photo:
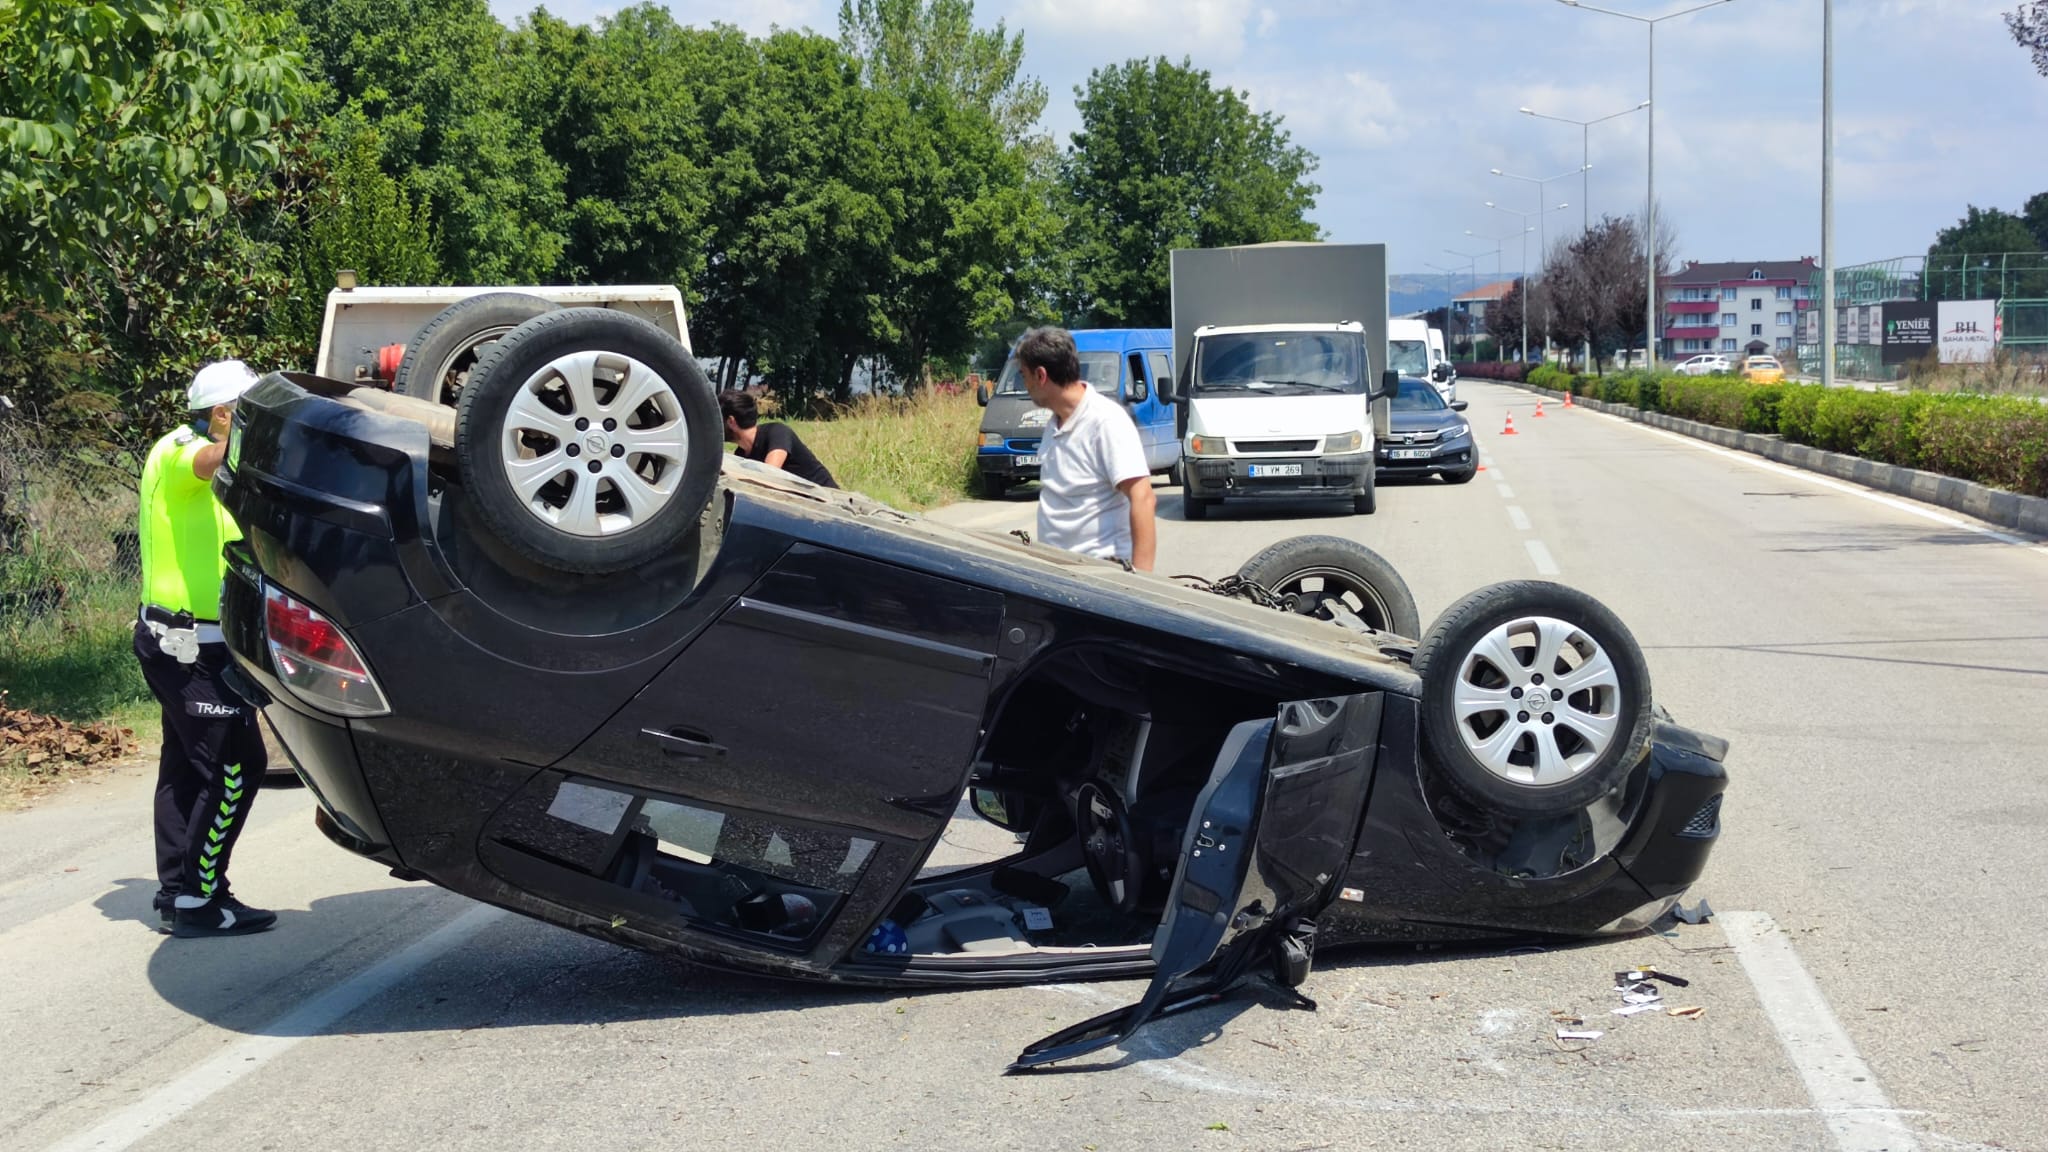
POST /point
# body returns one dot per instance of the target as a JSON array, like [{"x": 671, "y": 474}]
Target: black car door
[
  {"x": 1264, "y": 851},
  {"x": 810, "y": 745}
]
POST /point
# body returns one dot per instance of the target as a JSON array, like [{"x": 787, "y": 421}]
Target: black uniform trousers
[{"x": 212, "y": 762}]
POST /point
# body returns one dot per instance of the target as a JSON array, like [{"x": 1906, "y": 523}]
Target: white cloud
[
  {"x": 1354, "y": 110},
  {"x": 1211, "y": 31}
]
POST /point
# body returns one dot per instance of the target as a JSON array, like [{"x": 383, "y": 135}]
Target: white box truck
[{"x": 1281, "y": 391}]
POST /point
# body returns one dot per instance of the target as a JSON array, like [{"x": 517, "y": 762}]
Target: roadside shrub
[
  {"x": 1993, "y": 440},
  {"x": 1759, "y": 404},
  {"x": 1721, "y": 402},
  {"x": 1846, "y": 418},
  {"x": 1549, "y": 376},
  {"x": 1795, "y": 412}
]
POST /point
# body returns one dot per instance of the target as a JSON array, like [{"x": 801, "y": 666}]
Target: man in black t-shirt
[{"x": 775, "y": 445}]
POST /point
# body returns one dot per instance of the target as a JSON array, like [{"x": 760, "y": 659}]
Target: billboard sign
[
  {"x": 1968, "y": 331},
  {"x": 1908, "y": 330}
]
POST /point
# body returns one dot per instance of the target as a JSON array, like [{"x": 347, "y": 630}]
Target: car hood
[
  {"x": 1237, "y": 417},
  {"x": 1424, "y": 421}
]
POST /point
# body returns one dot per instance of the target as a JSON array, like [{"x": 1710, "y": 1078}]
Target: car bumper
[
  {"x": 1002, "y": 462},
  {"x": 1216, "y": 477},
  {"x": 1457, "y": 455}
]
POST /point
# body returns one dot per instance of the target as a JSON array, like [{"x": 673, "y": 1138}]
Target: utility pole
[
  {"x": 1827, "y": 193},
  {"x": 1650, "y": 204},
  {"x": 1543, "y": 239},
  {"x": 1585, "y": 179}
]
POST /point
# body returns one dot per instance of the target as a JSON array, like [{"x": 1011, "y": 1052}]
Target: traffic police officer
[{"x": 213, "y": 756}]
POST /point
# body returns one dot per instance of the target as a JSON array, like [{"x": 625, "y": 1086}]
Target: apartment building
[{"x": 1743, "y": 308}]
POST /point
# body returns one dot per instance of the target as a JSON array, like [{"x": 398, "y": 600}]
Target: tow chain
[{"x": 1242, "y": 588}]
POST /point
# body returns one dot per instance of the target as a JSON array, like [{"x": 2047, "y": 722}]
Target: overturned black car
[{"x": 551, "y": 649}]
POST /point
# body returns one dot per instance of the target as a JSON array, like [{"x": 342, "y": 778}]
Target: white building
[{"x": 1738, "y": 308}]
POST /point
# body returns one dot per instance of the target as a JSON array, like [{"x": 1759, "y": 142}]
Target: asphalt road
[{"x": 1873, "y": 978}]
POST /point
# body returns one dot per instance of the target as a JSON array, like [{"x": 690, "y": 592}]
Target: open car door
[{"x": 1264, "y": 852}]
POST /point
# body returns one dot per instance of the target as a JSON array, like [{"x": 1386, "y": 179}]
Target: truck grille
[
  {"x": 1290, "y": 446},
  {"x": 1408, "y": 438}
]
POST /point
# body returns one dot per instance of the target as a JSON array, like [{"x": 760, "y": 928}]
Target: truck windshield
[
  {"x": 1278, "y": 363},
  {"x": 1408, "y": 357},
  {"x": 1100, "y": 369}
]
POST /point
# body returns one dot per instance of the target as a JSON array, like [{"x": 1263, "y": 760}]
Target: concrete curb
[{"x": 2028, "y": 514}]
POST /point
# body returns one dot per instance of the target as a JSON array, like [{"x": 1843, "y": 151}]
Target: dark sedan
[
  {"x": 1426, "y": 436},
  {"x": 742, "y": 738}
]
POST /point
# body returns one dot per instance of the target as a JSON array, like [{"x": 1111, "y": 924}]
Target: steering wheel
[{"x": 1107, "y": 846}]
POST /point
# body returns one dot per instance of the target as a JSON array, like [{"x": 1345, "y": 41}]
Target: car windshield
[
  {"x": 1279, "y": 364},
  {"x": 1408, "y": 357},
  {"x": 1418, "y": 396},
  {"x": 1099, "y": 369}
]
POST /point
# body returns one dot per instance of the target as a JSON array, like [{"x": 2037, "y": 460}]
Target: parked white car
[{"x": 1705, "y": 365}]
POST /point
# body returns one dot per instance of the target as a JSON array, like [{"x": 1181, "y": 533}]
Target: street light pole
[
  {"x": 1526, "y": 229},
  {"x": 1498, "y": 241},
  {"x": 1585, "y": 180},
  {"x": 1827, "y": 193},
  {"x": 1650, "y": 202},
  {"x": 1472, "y": 278},
  {"x": 1543, "y": 240}
]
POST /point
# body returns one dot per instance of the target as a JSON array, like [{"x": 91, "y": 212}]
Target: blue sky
[{"x": 1409, "y": 105}]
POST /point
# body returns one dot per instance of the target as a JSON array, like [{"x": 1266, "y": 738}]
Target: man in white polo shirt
[{"x": 1095, "y": 492}]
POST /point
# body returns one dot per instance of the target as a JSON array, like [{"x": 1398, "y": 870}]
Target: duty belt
[{"x": 160, "y": 621}]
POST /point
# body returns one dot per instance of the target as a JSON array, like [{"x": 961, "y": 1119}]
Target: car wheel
[
  {"x": 993, "y": 486},
  {"x": 1464, "y": 477},
  {"x": 1195, "y": 507},
  {"x": 1367, "y": 501},
  {"x": 443, "y": 354},
  {"x": 1535, "y": 698},
  {"x": 1177, "y": 474},
  {"x": 589, "y": 440},
  {"x": 1315, "y": 573}
]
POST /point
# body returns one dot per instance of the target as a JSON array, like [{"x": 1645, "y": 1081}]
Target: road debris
[
  {"x": 1689, "y": 1013},
  {"x": 1699, "y": 913},
  {"x": 46, "y": 747}
]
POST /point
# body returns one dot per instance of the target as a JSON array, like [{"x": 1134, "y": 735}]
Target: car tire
[
  {"x": 454, "y": 341},
  {"x": 993, "y": 486},
  {"x": 1479, "y": 667},
  {"x": 1177, "y": 474},
  {"x": 607, "y": 479},
  {"x": 1312, "y": 568},
  {"x": 1367, "y": 502},
  {"x": 1463, "y": 477},
  {"x": 1195, "y": 507}
]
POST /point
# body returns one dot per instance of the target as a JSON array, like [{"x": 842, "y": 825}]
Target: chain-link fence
[{"x": 69, "y": 571}]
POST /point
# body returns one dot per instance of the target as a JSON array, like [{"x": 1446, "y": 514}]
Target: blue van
[{"x": 1127, "y": 363}]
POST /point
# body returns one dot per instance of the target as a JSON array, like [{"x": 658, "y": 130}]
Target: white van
[{"x": 1416, "y": 350}]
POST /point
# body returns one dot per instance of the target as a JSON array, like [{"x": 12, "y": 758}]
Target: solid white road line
[
  {"x": 1545, "y": 566},
  {"x": 188, "y": 1091},
  {"x": 1859, "y": 1115},
  {"x": 1907, "y": 506},
  {"x": 1519, "y": 518}
]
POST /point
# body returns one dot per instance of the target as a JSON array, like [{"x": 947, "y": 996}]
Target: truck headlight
[
  {"x": 1344, "y": 442},
  {"x": 1208, "y": 446},
  {"x": 991, "y": 439}
]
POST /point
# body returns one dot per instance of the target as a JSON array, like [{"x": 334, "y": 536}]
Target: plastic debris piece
[
  {"x": 1691, "y": 1012},
  {"x": 1632, "y": 1009},
  {"x": 1699, "y": 913},
  {"x": 1570, "y": 1034}
]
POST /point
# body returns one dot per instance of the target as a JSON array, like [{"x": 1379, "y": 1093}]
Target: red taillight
[{"x": 315, "y": 660}]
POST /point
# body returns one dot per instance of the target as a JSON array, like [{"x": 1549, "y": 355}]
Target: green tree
[
  {"x": 1165, "y": 160},
  {"x": 2029, "y": 26},
  {"x": 1965, "y": 260},
  {"x": 2036, "y": 216},
  {"x": 439, "y": 81},
  {"x": 361, "y": 219},
  {"x": 121, "y": 120},
  {"x": 969, "y": 228}
]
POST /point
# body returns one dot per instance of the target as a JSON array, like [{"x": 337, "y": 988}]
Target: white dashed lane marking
[
  {"x": 1519, "y": 518},
  {"x": 1545, "y": 566}
]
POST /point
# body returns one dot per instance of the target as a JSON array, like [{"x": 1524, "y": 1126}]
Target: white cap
[{"x": 221, "y": 382}]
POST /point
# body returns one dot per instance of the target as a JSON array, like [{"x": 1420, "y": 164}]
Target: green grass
[
  {"x": 75, "y": 662},
  {"x": 913, "y": 454}
]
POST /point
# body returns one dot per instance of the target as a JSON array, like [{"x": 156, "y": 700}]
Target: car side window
[{"x": 1162, "y": 366}]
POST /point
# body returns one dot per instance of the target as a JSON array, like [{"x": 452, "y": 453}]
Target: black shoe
[
  {"x": 165, "y": 908},
  {"x": 221, "y": 916}
]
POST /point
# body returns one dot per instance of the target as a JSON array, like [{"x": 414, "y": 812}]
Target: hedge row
[
  {"x": 2001, "y": 441},
  {"x": 1496, "y": 370}
]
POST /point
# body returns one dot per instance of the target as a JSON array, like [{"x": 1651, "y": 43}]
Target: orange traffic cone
[
  {"x": 1510, "y": 430},
  {"x": 1539, "y": 409},
  {"x": 1568, "y": 400}
]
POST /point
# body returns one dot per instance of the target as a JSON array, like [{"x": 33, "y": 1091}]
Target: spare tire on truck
[
  {"x": 589, "y": 440},
  {"x": 1535, "y": 698},
  {"x": 442, "y": 356},
  {"x": 1322, "y": 573}
]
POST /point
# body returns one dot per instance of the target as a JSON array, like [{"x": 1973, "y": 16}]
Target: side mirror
[
  {"x": 1458, "y": 405},
  {"x": 1137, "y": 392},
  {"x": 1390, "y": 383},
  {"x": 981, "y": 393}
]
